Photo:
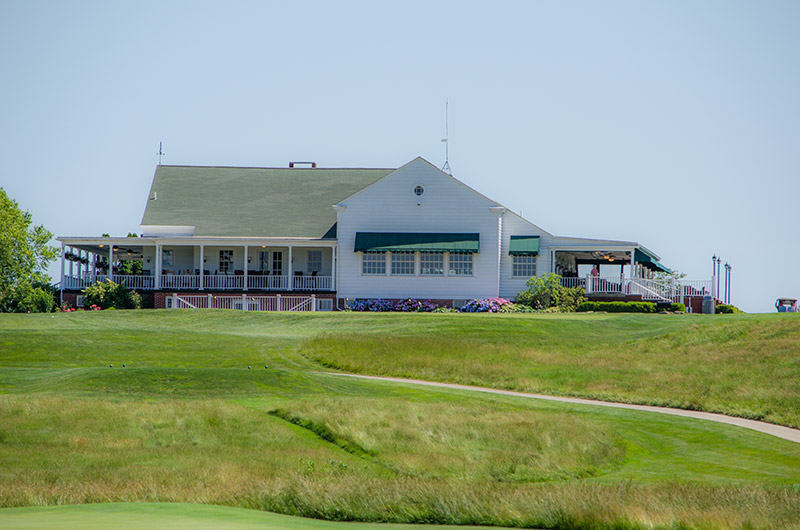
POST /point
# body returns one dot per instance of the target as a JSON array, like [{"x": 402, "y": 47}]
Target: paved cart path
[{"x": 787, "y": 433}]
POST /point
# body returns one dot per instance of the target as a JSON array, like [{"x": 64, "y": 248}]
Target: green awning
[
  {"x": 649, "y": 261},
  {"x": 524, "y": 246},
  {"x": 411, "y": 242}
]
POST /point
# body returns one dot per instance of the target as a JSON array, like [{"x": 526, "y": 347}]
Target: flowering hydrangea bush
[
  {"x": 484, "y": 305},
  {"x": 381, "y": 305},
  {"x": 409, "y": 305}
]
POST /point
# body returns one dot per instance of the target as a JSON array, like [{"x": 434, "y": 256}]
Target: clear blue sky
[{"x": 673, "y": 123}]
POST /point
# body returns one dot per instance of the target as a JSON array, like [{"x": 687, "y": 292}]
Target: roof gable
[{"x": 253, "y": 202}]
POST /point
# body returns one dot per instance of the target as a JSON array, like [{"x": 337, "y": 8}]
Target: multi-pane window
[
  {"x": 460, "y": 264},
  {"x": 263, "y": 260},
  {"x": 431, "y": 264},
  {"x": 373, "y": 263},
  {"x": 523, "y": 266},
  {"x": 167, "y": 260},
  {"x": 225, "y": 261},
  {"x": 314, "y": 260},
  {"x": 402, "y": 263},
  {"x": 277, "y": 263}
]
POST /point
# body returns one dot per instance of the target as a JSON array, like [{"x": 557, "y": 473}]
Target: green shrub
[
  {"x": 546, "y": 292},
  {"x": 515, "y": 308},
  {"x": 111, "y": 295},
  {"x": 678, "y": 308},
  {"x": 33, "y": 299},
  {"x": 618, "y": 307},
  {"x": 727, "y": 309}
]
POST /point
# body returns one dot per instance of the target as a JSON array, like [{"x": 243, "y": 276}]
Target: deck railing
[
  {"x": 653, "y": 290},
  {"x": 191, "y": 282}
]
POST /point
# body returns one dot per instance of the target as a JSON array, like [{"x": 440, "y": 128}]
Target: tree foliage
[
  {"x": 24, "y": 257},
  {"x": 111, "y": 295},
  {"x": 546, "y": 292}
]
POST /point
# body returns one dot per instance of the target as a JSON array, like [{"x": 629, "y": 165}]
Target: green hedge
[
  {"x": 678, "y": 308},
  {"x": 618, "y": 307},
  {"x": 727, "y": 309}
]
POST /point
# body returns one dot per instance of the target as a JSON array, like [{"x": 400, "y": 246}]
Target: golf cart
[{"x": 786, "y": 305}]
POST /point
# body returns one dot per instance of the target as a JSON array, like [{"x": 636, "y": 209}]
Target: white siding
[
  {"x": 514, "y": 225},
  {"x": 390, "y": 205}
]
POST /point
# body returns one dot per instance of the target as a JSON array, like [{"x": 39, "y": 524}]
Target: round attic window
[{"x": 418, "y": 190}]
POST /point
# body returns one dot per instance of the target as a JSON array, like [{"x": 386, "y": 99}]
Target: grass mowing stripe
[{"x": 168, "y": 516}]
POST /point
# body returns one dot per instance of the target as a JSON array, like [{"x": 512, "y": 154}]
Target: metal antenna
[
  {"x": 446, "y": 166},
  {"x": 160, "y": 153}
]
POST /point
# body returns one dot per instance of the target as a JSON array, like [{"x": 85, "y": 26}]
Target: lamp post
[
  {"x": 727, "y": 283},
  {"x": 713, "y": 271},
  {"x": 719, "y": 271}
]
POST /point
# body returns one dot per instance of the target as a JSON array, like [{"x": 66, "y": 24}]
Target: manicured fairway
[
  {"x": 230, "y": 408},
  {"x": 170, "y": 516}
]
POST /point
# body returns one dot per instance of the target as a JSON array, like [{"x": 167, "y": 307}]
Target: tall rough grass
[
  {"x": 63, "y": 451},
  {"x": 745, "y": 366},
  {"x": 472, "y": 441}
]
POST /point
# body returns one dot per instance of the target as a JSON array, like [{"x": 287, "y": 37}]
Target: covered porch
[
  {"x": 210, "y": 264},
  {"x": 632, "y": 271}
]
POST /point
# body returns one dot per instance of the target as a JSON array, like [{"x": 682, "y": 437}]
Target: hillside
[{"x": 228, "y": 408}]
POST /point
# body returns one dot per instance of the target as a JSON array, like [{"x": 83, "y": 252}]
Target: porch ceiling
[
  {"x": 599, "y": 257},
  {"x": 121, "y": 251}
]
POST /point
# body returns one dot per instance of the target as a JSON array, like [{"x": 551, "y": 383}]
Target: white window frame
[
  {"x": 228, "y": 268},
  {"x": 314, "y": 265},
  {"x": 423, "y": 255},
  {"x": 277, "y": 262},
  {"x": 518, "y": 262},
  {"x": 168, "y": 258},
  {"x": 400, "y": 265},
  {"x": 263, "y": 261},
  {"x": 464, "y": 262},
  {"x": 373, "y": 263}
]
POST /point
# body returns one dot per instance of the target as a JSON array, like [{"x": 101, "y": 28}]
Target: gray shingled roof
[{"x": 253, "y": 202}]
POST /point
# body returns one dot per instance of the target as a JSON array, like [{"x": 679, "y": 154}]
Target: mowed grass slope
[
  {"x": 187, "y": 421},
  {"x": 742, "y": 365}
]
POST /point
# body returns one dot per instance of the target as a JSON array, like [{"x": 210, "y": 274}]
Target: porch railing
[
  {"x": 654, "y": 290},
  {"x": 191, "y": 282},
  {"x": 244, "y": 302}
]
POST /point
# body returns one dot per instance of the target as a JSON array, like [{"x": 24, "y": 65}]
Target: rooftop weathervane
[{"x": 160, "y": 153}]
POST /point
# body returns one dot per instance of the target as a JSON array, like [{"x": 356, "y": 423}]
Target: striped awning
[
  {"x": 649, "y": 261},
  {"x": 415, "y": 241},
  {"x": 524, "y": 246}
]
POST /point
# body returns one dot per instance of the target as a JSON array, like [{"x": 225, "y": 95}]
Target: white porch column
[
  {"x": 111, "y": 262},
  {"x": 62, "y": 272},
  {"x": 80, "y": 264},
  {"x": 291, "y": 271},
  {"x": 158, "y": 266},
  {"x": 334, "y": 266},
  {"x": 202, "y": 264},
  {"x": 245, "y": 266},
  {"x": 633, "y": 262}
]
